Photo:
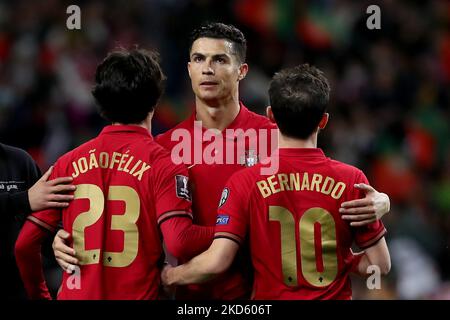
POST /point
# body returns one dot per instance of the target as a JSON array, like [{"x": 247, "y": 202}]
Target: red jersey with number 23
[
  {"x": 300, "y": 246},
  {"x": 126, "y": 185}
]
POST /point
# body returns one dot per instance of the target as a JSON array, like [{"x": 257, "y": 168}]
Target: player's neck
[
  {"x": 147, "y": 123},
  {"x": 288, "y": 142},
  {"x": 217, "y": 115},
  {"x": 143, "y": 125}
]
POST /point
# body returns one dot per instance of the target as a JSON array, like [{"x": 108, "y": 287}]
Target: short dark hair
[
  {"x": 299, "y": 97},
  {"x": 128, "y": 85},
  {"x": 219, "y": 30}
]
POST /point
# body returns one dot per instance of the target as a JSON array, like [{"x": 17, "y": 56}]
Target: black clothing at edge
[{"x": 18, "y": 172}]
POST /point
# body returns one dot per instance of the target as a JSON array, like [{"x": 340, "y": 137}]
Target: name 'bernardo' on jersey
[
  {"x": 118, "y": 161},
  {"x": 297, "y": 182}
]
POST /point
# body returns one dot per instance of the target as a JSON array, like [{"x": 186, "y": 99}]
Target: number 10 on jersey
[{"x": 313, "y": 220}]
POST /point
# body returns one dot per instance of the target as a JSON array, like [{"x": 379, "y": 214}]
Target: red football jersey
[
  {"x": 208, "y": 179},
  {"x": 126, "y": 185},
  {"x": 300, "y": 246}
]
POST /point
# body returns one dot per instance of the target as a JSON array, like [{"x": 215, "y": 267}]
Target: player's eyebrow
[
  {"x": 222, "y": 55},
  {"x": 214, "y": 57},
  {"x": 197, "y": 54}
]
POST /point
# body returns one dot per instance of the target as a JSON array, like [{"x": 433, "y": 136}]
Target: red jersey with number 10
[
  {"x": 126, "y": 185},
  {"x": 299, "y": 244}
]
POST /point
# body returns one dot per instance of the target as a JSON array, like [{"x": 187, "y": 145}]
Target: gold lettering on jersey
[
  {"x": 141, "y": 171},
  {"x": 264, "y": 188},
  {"x": 114, "y": 159},
  {"x": 122, "y": 161},
  {"x": 305, "y": 182},
  {"x": 328, "y": 183},
  {"x": 316, "y": 180},
  {"x": 76, "y": 173},
  {"x": 338, "y": 190},
  {"x": 128, "y": 164},
  {"x": 83, "y": 165},
  {"x": 92, "y": 160},
  {"x": 296, "y": 181},
  {"x": 104, "y": 160},
  {"x": 135, "y": 167},
  {"x": 284, "y": 182},
  {"x": 273, "y": 184}
]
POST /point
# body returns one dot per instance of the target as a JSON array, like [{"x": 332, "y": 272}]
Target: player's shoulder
[
  {"x": 161, "y": 160},
  {"x": 345, "y": 170},
  {"x": 258, "y": 121},
  {"x": 81, "y": 150},
  {"x": 248, "y": 176},
  {"x": 158, "y": 152},
  {"x": 164, "y": 139},
  {"x": 15, "y": 154}
]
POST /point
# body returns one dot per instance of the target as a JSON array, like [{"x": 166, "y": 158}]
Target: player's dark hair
[
  {"x": 219, "y": 30},
  {"x": 299, "y": 97},
  {"x": 128, "y": 85}
]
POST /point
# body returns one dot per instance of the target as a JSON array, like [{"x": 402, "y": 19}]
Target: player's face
[{"x": 214, "y": 69}]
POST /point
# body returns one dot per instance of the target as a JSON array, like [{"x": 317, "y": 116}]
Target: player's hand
[
  {"x": 367, "y": 210},
  {"x": 165, "y": 275},
  {"x": 167, "y": 292},
  {"x": 49, "y": 194},
  {"x": 65, "y": 255}
]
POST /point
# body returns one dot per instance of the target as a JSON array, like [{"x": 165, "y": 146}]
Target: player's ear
[
  {"x": 269, "y": 114},
  {"x": 243, "y": 69},
  {"x": 189, "y": 68},
  {"x": 323, "y": 122}
]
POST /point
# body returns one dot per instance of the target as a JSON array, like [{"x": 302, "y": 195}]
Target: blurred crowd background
[{"x": 390, "y": 109}]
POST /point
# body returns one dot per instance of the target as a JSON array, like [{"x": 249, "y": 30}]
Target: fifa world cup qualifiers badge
[
  {"x": 182, "y": 188},
  {"x": 249, "y": 159}
]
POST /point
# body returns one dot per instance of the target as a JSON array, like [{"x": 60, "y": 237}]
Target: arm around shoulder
[{"x": 214, "y": 261}]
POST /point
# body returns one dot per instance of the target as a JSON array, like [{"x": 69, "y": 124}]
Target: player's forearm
[
  {"x": 195, "y": 240},
  {"x": 360, "y": 264},
  {"x": 200, "y": 269},
  {"x": 185, "y": 240},
  {"x": 377, "y": 255}
]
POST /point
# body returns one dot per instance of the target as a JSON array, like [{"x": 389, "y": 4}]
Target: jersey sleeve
[
  {"x": 232, "y": 214},
  {"x": 49, "y": 219},
  {"x": 172, "y": 194},
  {"x": 183, "y": 239},
  {"x": 368, "y": 235},
  {"x": 29, "y": 260}
]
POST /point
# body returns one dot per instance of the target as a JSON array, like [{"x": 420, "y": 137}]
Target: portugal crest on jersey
[{"x": 249, "y": 159}]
